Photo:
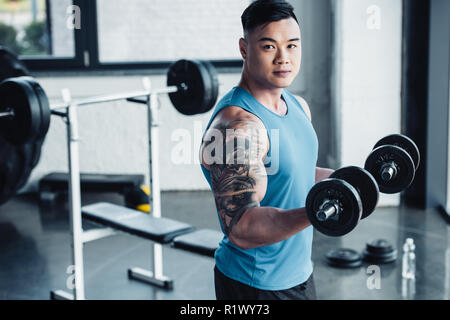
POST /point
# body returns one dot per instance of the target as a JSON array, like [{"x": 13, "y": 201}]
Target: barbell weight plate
[
  {"x": 364, "y": 183},
  {"x": 403, "y": 142},
  {"x": 214, "y": 85},
  {"x": 207, "y": 84},
  {"x": 26, "y": 154},
  {"x": 404, "y": 164},
  {"x": 14, "y": 168},
  {"x": 44, "y": 107},
  {"x": 346, "y": 195},
  {"x": 10, "y": 170},
  {"x": 193, "y": 83},
  {"x": 346, "y": 265},
  {"x": 379, "y": 246},
  {"x": 10, "y": 65},
  {"x": 379, "y": 258},
  {"x": 17, "y": 95},
  {"x": 36, "y": 155},
  {"x": 343, "y": 258}
]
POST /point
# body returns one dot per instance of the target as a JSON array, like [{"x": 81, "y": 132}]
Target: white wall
[{"x": 367, "y": 76}]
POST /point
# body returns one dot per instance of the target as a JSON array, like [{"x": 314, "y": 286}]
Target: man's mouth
[{"x": 282, "y": 74}]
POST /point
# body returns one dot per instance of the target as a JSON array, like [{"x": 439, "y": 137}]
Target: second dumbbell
[{"x": 393, "y": 163}]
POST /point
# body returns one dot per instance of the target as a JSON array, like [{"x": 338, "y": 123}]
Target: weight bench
[
  {"x": 203, "y": 241},
  {"x": 161, "y": 230},
  {"x": 57, "y": 182},
  {"x": 179, "y": 235}
]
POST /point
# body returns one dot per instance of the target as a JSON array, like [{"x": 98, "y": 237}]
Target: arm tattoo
[{"x": 234, "y": 181}]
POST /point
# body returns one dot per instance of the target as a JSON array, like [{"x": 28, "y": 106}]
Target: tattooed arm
[{"x": 239, "y": 182}]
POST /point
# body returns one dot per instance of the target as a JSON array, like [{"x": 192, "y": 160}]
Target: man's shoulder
[
  {"x": 304, "y": 105},
  {"x": 231, "y": 116}
]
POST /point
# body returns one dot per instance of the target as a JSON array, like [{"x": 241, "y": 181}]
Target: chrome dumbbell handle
[
  {"x": 388, "y": 171},
  {"x": 328, "y": 210}
]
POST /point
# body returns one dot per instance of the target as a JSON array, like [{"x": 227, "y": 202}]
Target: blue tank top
[{"x": 290, "y": 166}]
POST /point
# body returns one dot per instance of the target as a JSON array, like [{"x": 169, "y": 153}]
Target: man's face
[{"x": 272, "y": 53}]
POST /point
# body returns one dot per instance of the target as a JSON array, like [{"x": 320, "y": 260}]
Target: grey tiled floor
[{"x": 34, "y": 254}]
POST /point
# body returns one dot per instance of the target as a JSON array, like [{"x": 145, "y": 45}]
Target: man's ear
[{"x": 243, "y": 48}]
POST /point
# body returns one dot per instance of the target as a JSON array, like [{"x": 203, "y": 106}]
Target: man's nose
[{"x": 281, "y": 57}]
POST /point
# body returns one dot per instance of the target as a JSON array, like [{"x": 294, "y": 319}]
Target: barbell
[
  {"x": 25, "y": 112},
  {"x": 25, "y": 109}
]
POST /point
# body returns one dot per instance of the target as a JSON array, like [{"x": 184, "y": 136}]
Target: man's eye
[
  {"x": 268, "y": 46},
  {"x": 292, "y": 46}
]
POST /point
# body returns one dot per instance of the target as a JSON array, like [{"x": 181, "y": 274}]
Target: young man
[{"x": 259, "y": 155}]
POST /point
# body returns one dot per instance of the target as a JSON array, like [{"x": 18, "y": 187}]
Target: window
[{"x": 121, "y": 34}]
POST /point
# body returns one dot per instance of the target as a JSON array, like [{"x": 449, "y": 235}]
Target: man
[{"x": 259, "y": 155}]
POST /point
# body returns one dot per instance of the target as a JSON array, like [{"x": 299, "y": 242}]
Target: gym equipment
[
  {"x": 24, "y": 119},
  {"x": 57, "y": 182},
  {"x": 193, "y": 96},
  {"x": 137, "y": 198},
  {"x": 202, "y": 241},
  {"x": 13, "y": 167},
  {"x": 16, "y": 160},
  {"x": 379, "y": 251},
  {"x": 335, "y": 205},
  {"x": 393, "y": 163},
  {"x": 25, "y": 110},
  {"x": 343, "y": 258},
  {"x": 364, "y": 183},
  {"x": 10, "y": 65},
  {"x": 161, "y": 230}
]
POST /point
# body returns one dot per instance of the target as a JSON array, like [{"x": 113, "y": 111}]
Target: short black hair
[{"x": 261, "y": 12}]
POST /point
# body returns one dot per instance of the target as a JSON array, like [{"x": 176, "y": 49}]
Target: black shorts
[{"x": 229, "y": 289}]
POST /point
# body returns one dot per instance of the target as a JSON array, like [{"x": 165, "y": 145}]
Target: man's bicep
[
  {"x": 240, "y": 182},
  {"x": 235, "y": 191}
]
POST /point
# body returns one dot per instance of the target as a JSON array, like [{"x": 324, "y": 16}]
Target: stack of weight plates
[
  {"x": 343, "y": 258},
  {"x": 379, "y": 251}
]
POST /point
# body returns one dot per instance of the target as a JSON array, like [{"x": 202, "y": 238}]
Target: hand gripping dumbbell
[
  {"x": 335, "y": 205},
  {"x": 393, "y": 163}
]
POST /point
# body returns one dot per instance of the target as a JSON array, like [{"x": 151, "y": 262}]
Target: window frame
[{"x": 86, "y": 56}]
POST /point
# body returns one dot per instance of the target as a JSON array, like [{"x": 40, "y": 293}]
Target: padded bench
[
  {"x": 56, "y": 182},
  {"x": 204, "y": 241},
  {"x": 161, "y": 230}
]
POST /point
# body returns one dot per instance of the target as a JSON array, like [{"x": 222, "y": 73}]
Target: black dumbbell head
[
  {"x": 404, "y": 167},
  {"x": 364, "y": 183},
  {"x": 341, "y": 192},
  {"x": 403, "y": 142},
  {"x": 343, "y": 258}
]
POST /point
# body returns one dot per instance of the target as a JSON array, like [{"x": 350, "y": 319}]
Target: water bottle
[{"x": 409, "y": 260}]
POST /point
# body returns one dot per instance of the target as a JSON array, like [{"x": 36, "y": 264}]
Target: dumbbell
[
  {"x": 393, "y": 163},
  {"x": 335, "y": 205}
]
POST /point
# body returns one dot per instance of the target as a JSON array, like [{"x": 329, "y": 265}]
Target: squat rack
[{"x": 78, "y": 236}]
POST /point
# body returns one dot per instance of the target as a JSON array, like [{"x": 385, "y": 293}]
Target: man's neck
[{"x": 268, "y": 97}]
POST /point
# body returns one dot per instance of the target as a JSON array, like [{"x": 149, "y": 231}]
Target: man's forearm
[{"x": 263, "y": 226}]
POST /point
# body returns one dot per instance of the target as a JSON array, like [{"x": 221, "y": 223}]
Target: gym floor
[{"x": 35, "y": 248}]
